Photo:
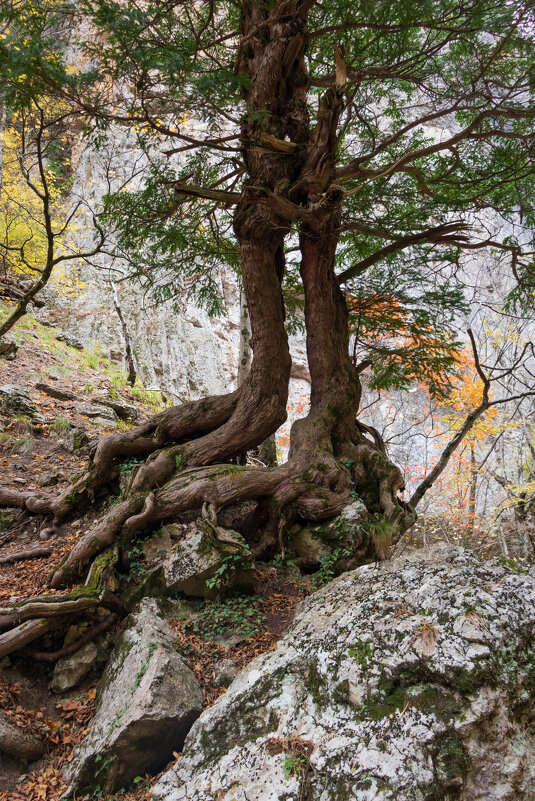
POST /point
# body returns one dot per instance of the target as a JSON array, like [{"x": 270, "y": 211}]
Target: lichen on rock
[
  {"x": 408, "y": 680},
  {"x": 193, "y": 564},
  {"x": 147, "y": 700}
]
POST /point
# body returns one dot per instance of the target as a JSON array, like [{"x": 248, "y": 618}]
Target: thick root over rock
[
  {"x": 36, "y": 616},
  {"x": 314, "y": 485}
]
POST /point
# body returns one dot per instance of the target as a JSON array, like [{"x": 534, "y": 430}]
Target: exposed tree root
[
  {"x": 20, "y": 556},
  {"x": 35, "y": 616},
  {"x": 25, "y": 633},
  {"x": 329, "y": 462},
  {"x": 93, "y": 633},
  {"x": 173, "y": 425},
  {"x": 305, "y": 488},
  {"x": 25, "y": 500}
]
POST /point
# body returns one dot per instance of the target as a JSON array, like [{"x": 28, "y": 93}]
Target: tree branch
[
  {"x": 442, "y": 234},
  {"x": 208, "y": 194}
]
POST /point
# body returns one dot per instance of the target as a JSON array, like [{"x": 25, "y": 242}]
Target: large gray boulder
[
  {"x": 202, "y": 565},
  {"x": 147, "y": 700},
  {"x": 339, "y": 543},
  {"x": 410, "y": 680}
]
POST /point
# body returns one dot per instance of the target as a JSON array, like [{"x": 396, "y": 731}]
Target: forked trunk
[{"x": 188, "y": 449}]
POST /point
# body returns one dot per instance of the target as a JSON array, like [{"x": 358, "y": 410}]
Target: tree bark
[
  {"x": 129, "y": 350},
  {"x": 187, "y": 449},
  {"x": 30, "y": 553}
]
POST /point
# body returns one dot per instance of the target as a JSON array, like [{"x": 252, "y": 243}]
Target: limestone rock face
[
  {"x": 147, "y": 700},
  {"x": 411, "y": 680}
]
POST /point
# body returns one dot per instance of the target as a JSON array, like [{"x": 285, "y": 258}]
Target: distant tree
[
  {"x": 340, "y": 152},
  {"x": 38, "y": 227}
]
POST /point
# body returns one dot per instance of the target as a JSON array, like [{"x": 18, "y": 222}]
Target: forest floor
[{"x": 35, "y": 456}]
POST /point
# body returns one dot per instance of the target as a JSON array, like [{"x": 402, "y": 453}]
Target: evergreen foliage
[{"x": 434, "y": 146}]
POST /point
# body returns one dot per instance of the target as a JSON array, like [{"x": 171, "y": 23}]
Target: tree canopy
[{"x": 433, "y": 144}]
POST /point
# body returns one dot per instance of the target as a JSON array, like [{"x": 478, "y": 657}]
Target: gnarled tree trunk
[{"x": 188, "y": 448}]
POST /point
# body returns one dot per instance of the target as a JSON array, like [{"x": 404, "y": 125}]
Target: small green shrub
[
  {"x": 228, "y": 566},
  {"x": 94, "y": 357},
  {"x": 61, "y": 369},
  {"x": 327, "y": 571},
  {"x": 22, "y": 445},
  {"x": 61, "y": 425},
  {"x": 243, "y": 615},
  {"x": 127, "y": 465},
  {"x": 294, "y": 765}
]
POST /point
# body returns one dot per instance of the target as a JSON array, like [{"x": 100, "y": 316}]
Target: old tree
[{"x": 337, "y": 148}]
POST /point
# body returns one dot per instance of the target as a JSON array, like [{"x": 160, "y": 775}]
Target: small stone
[
  {"x": 19, "y": 481},
  {"x": 57, "y": 392},
  {"x": 225, "y": 673},
  {"x": 157, "y": 546},
  {"x": 123, "y": 410},
  {"x": 17, "y": 401},
  {"x": 19, "y": 744},
  {"x": 8, "y": 350},
  {"x": 90, "y": 410},
  {"x": 70, "y": 670},
  {"x": 70, "y": 340},
  {"x": 48, "y": 479},
  {"x": 104, "y": 421},
  {"x": 10, "y": 518},
  {"x": 230, "y": 639},
  {"x": 75, "y": 439}
]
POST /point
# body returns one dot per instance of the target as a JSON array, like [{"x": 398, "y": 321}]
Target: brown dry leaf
[{"x": 427, "y": 636}]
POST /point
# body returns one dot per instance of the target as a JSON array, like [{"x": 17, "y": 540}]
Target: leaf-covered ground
[{"x": 29, "y": 455}]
